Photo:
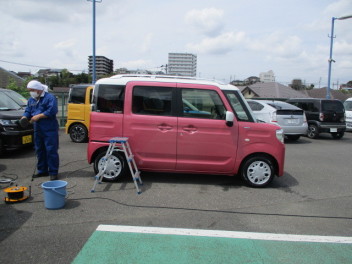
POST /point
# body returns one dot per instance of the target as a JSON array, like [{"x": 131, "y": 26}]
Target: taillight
[
  {"x": 273, "y": 117},
  {"x": 304, "y": 118},
  {"x": 343, "y": 119},
  {"x": 321, "y": 117}
]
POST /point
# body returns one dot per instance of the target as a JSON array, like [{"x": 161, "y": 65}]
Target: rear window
[
  {"x": 283, "y": 106},
  {"x": 332, "y": 106}
]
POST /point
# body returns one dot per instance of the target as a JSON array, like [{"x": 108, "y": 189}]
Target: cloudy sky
[{"x": 233, "y": 39}]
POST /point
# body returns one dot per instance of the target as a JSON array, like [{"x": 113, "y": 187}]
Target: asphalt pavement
[{"x": 312, "y": 198}]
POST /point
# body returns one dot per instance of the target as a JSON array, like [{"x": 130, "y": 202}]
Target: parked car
[
  {"x": 289, "y": 117},
  {"x": 78, "y": 112},
  {"x": 183, "y": 125},
  {"x": 12, "y": 136},
  {"x": 348, "y": 110},
  {"x": 323, "y": 116}
]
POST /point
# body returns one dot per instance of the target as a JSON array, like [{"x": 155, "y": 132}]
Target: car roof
[
  {"x": 277, "y": 104},
  {"x": 81, "y": 86},
  {"x": 125, "y": 78},
  {"x": 282, "y": 105}
]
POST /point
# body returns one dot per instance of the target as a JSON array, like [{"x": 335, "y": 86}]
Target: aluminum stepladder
[{"x": 120, "y": 144}]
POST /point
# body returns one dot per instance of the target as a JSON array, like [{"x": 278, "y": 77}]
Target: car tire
[
  {"x": 312, "y": 131},
  {"x": 293, "y": 137},
  {"x": 78, "y": 133},
  {"x": 115, "y": 169},
  {"x": 258, "y": 171},
  {"x": 337, "y": 135}
]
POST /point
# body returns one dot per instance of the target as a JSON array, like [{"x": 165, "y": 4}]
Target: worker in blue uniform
[{"x": 41, "y": 111}]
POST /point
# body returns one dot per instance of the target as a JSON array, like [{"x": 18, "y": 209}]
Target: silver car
[{"x": 289, "y": 117}]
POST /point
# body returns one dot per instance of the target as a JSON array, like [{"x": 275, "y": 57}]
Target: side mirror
[{"x": 229, "y": 118}]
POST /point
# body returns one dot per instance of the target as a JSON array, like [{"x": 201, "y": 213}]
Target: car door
[
  {"x": 150, "y": 124},
  {"x": 204, "y": 142}
]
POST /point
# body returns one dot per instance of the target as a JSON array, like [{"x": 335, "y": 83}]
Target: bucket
[{"x": 54, "y": 194}]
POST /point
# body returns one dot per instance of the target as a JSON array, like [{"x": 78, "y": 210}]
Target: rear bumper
[
  {"x": 295, "y": 130},
  {"x": 326, "y": 128}
]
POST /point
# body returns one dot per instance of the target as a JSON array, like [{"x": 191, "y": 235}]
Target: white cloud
[
  {"x": 208, "y": 21},
  {"x": 135, "y": 64},
  {"x": 221, "y": 44},
  {"x": 146, "y": 43},
  {"x": 343, "y": 48},
  {"x": 278, "y": 45},
  {"x": 338, "y": 8},
  {"x": 65, "y": 44}
]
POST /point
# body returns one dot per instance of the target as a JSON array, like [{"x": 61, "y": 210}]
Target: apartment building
[
  {"x": 267, "y": 76},
  {"x": 103, "y": 65},
  {"x": 182, "y": 64}
]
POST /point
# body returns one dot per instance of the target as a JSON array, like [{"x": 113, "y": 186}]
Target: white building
[
  {"x": 183, "y": 64},
  {"x": 267, "y": 76}
]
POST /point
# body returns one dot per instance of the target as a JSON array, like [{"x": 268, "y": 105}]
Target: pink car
[{"x": 182, "y": 125}]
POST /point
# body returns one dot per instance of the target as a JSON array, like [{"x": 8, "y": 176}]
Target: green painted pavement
[{"x": 125, "y": 247}]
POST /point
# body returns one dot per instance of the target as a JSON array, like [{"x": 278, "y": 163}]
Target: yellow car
[{"x": 78, "y": 112}]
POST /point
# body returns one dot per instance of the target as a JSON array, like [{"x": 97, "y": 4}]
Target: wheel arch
[
  {"x": 262, "y": 154},
  {"x": 76, "y": 123}
]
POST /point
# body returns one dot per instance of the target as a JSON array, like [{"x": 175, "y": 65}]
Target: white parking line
[{"x": 224, "y": 234}]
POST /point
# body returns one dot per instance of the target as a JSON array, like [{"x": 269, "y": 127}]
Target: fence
[{"x": 62, "y": 99}]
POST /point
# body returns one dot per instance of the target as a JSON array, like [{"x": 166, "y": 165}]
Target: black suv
[
  {"x": 12, "y": 136},
  {"x": 323, "y": 116}
]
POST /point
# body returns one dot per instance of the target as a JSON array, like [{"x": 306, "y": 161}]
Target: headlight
[
  {"x": 6, "y": 122},
  {"x": 280, "y": 135}
]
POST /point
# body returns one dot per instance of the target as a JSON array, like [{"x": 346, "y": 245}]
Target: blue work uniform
[{"x": 46, "y": 132}]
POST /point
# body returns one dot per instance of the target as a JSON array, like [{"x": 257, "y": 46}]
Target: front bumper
[{"x": 12, "y": 140}]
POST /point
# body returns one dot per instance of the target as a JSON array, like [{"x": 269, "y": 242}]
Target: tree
[{"x": 12, "y": 85}]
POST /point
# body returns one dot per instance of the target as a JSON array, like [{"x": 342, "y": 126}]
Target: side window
[
  {"x": 312, "y": 107},
  {"x": 110, "y": 98},
  {"x": 147, "y": 100},
  {"x": 316, "y": 107},
  {"x": 255, "y": 106},
  {"x": 200, "y": 103},
  {"x": 77, "y": 96}
]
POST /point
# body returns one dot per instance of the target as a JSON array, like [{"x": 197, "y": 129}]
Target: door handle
[
  {"x": 190, "y": 129},
  {"x": 164, "y": 127}
]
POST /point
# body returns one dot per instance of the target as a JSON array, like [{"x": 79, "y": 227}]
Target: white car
[
  {"x": 348, "y": 112},
  {"x": 289, "y": 117}
]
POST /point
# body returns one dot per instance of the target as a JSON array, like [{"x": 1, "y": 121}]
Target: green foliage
[{"x": 12, "y": 85}]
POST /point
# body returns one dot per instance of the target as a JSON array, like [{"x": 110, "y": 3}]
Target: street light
[
  {"x": 331, "y": 44},
  {"x": 94, "y": 72}
]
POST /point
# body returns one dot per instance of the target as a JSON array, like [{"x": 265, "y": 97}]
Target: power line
[{"x": 36, "y": 66}]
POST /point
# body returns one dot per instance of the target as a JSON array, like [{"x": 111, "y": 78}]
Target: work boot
[
  {"x": 53, "y": 177},
  {"x": 40, "y": 174}
]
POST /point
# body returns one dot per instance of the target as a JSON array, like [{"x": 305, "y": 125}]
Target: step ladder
[{"x": 120, "y": 144}]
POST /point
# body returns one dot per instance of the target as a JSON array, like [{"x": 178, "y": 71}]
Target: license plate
[
  {"x": 333, "y": 130},
  {"x": 292, "y": 121},
  {"x": 27, "y": 139}
]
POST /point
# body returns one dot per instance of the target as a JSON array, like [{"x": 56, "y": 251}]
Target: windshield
[
  {"x": 348, "y": 105},
  {"x": 240, "y": 106},
  {"x": 19, "y": 99},
  {"x": 6, "y": 103}
]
